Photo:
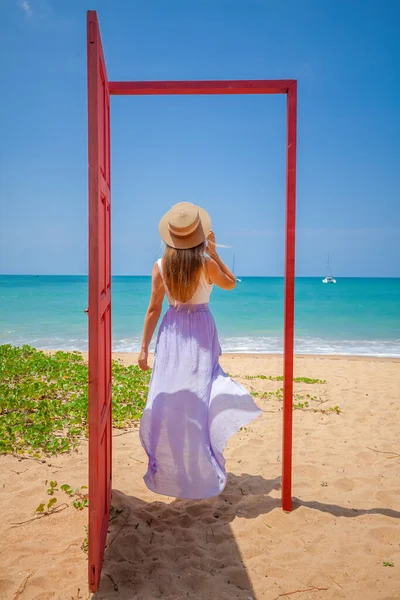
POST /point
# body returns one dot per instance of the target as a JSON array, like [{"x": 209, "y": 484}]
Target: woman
[{"x": 193, "y": 407}]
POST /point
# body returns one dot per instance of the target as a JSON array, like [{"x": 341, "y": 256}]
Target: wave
[
  {"x": 308, "y": 345},
  {"x": 234, "y": 345}
]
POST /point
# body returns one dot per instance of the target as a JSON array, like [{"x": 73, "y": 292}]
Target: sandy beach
[{"x": 341, "y": 541}]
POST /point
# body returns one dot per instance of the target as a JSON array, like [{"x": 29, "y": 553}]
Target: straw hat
[{"x": 185, "y": 226}]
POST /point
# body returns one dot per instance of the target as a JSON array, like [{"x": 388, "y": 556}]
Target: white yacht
[{"x": 329, "y": 278}]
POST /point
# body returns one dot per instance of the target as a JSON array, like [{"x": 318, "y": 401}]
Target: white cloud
[{"x": 26, "y": 7}]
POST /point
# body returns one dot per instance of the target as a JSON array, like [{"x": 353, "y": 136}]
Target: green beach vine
[{"x": 44, "y": 400}]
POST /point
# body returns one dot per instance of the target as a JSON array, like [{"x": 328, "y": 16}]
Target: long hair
[{"x": 182, "y": 271}]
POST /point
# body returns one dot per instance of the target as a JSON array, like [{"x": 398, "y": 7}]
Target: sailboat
[
  {"x": 233, "y": 270},
  {"x": 329, "y": 278}
]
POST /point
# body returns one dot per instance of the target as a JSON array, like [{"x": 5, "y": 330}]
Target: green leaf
[
  {"x": 51, "y": 503},
  {"x": 40, "y": 508},
  {"x": 388, "y": 563}
]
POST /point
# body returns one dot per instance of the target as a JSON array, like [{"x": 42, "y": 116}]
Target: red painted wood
[
  {"x": 128, "y": 88},
  {"x": 289, "y": 296},
  {"x": 99, "y": 301}
]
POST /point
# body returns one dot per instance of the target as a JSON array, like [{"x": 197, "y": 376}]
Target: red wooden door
[{"x": 99, "y": 301}]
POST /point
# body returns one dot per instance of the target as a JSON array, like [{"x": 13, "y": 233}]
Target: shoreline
[{"x": 247, "y": 355}]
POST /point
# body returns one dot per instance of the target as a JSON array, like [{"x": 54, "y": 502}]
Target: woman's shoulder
[
  {"x": 158, "y": 264},
  {"x": 157, "y": 268}
]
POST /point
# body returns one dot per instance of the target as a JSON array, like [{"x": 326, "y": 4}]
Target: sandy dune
[{"x": 344, "y": 526}]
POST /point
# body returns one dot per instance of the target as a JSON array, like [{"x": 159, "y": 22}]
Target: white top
[{"x": 201, "y": 295}]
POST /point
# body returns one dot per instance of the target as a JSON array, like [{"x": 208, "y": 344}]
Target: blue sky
[{"x": 225, "y": 153}]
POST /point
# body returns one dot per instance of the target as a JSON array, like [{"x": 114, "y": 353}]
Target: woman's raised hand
[{"x": 211, "y": 247}]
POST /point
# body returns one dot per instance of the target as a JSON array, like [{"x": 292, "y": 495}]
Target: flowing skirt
[{"x": 192, "y": 409}]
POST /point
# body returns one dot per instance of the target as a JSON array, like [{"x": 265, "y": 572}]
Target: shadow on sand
[
  {"x": 341, "y": 511},
  {"x": 185, "y": 549}
]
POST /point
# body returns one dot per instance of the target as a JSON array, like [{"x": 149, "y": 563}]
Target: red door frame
[
  {"x": 288, "y": 87},
  {"x": 269, "y": 86},
  {"x": 96, "y": 366}
]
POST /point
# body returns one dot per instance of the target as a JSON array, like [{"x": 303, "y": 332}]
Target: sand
[{"x": 333, "y": 545}]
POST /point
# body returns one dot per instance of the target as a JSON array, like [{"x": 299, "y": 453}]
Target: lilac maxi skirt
[{"x": 192, "y": 409}]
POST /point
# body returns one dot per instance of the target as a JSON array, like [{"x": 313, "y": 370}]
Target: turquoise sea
[{"x": 355, "y": 316}]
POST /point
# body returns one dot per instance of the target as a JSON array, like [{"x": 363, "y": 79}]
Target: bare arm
[
  {"x": 152, "y": 316},
  {"x": 216, "y": 269}
]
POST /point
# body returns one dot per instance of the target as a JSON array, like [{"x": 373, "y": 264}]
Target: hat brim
[{"x": 198, "y": 237}]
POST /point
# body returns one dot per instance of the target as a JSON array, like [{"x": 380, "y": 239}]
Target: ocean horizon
[{"x": 355, "y": 316}]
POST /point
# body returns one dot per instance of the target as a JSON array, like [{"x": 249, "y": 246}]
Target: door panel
[{"x": 100, "y": 425}]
